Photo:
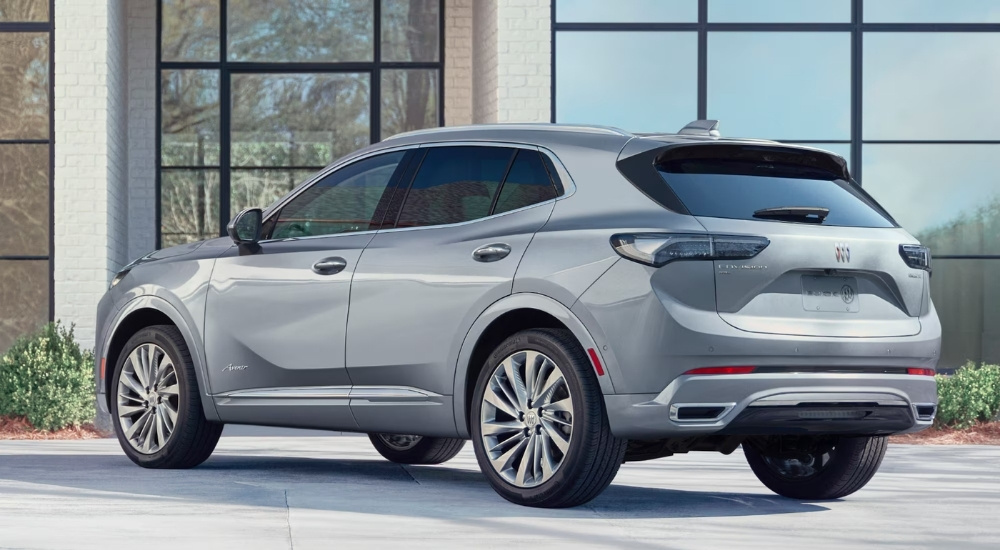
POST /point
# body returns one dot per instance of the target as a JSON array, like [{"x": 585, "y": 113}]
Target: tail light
[
  {"x": 916, "y": 256},
  {"x": 658, "y": 249},
  {"x": 920, "y": 372}
]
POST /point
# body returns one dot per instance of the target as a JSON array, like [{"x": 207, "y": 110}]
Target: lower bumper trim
[{"x": 853, "y": 419}]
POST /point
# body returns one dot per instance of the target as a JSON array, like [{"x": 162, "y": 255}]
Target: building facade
[{"x": 129, "y": 125}]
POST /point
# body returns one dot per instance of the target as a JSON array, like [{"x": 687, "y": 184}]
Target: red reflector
[
  {"x": 721, "y": 370},
  {"x": 104, "y": 360},
  {"x": 920, "y": 372},
  {"x": 597, "y": 362}
]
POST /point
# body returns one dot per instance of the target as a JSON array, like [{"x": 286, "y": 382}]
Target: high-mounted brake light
[
  {"x": 920, "y": 372},
  {"x": 658, "y": 249},
  {"x": 721, "y": 370}
]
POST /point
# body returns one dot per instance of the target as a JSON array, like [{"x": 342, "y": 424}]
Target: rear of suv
[{"x": 568, "y": 298}]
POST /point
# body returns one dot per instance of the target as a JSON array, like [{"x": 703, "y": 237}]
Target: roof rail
[
  {"x": 701, "y": 128},
  {"x": 545, "y": 126}
]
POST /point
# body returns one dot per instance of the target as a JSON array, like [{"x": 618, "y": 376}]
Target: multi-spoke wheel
[
  {"x": 416, "y": 449},
  {"x": 527, "y": 418},
  {"x": 815, "y": 467},
  {"x": 148, "y": 398},
  {"x": 156, "y": 403},
  {"x": 539, "y": 426}
]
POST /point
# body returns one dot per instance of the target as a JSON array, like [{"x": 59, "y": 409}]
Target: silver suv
[{"x": 569, "y": 298}]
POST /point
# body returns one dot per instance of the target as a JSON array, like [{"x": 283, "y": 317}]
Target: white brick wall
[
  {"x": 457, "y": 62},
  {"x": 90, "y": 149},
  {"x": 142, "y": 82},
  {"x": 512, "y": 61}
]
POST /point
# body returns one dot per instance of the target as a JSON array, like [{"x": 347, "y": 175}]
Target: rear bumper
[{"x": 784, "y": 403}]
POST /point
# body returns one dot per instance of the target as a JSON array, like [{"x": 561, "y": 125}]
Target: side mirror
[{"x": 245, "y": 227}]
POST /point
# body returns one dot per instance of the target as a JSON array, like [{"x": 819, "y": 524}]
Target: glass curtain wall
[
  {"x": 905, "y": 90},
  {"x": 25, "y": 167},
  {"x": 257, "y": 96}
]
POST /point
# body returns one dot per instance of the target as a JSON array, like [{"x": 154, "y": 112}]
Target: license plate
[{"x": 825, "y": 293}]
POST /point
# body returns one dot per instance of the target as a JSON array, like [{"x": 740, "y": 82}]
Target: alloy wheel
[
  {"x": 148, "y": 395},
  {"x": 527, "y": 418},
  {"x": 400, "y": 442}
]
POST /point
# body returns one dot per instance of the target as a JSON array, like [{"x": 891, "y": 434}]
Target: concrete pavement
[{"x": 307, "y": 492}]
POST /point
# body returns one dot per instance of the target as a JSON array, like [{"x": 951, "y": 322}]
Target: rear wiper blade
[{"x": 813, "y": 214}]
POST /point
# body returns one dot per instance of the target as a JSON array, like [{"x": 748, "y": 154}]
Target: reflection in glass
[
  {"x": 23, "y": 10},
  {"x": 933, "y": 86},
  {"x": 299, "y": 119},
  {"x": 189, "y": 206},
  {"x": 24, "y": 204},
  {"x": 965, "y": 293},
  {"x": 190, "y": 30},
  {"x": 779, "y": 11},
  {"x": 932, "y": 11},
  {"x": 410, "y": 30},
  {"x": 948, "y": 196},
  {"x": 190, "y": 118},
  {"x": 609, "y": 78},
  {"x": 260, "y": 188},
  {"x": 780, "y": 85},
  {"x": 409, "y": 100},
  {"x": 842, "y": 149},
  {"x": 627, "y": 11},
  {"x": 24, "y": 293},
  {"x": 301, "y": 30},
  {"x": 24, "y": 85}
]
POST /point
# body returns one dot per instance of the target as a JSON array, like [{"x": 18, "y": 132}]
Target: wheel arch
[
  {"x": 146, "y": 311},
  {"x": 503, "y": 318}
]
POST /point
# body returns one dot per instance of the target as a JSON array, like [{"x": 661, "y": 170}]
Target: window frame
[
  {"x": 560, "y": 182},
  {"x": 271, "y": 213},
  {"x": 227, "y": 68},
  {"x": 46, "y": 27}
]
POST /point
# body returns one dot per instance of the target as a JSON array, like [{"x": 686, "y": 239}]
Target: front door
[{"x": 276, "y": 316}]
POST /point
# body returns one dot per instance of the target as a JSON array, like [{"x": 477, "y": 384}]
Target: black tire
[
  {"x": 193, "y": 438},
  {"x": 424, "y": 450},
  {"x": 594, "y": 454},
  {"x": 851, "y": 463}
]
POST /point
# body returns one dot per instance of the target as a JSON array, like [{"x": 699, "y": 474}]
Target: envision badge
[
  {"x": 843, "y": 253},
  {"x": 234, "y": 368}
]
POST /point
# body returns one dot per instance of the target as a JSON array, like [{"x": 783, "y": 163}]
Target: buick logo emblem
[
  {"x": 847, "y": 294},
  {"x": 843, "y": 253}
]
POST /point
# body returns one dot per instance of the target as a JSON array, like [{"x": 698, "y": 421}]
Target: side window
[
  {"x": 454, "y": 184},
  {"x": 343, "y": 202},
  {"x": 527, "y": 183}
]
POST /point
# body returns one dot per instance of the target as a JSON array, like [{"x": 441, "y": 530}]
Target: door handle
[
  {"x": 330, "y": 266},
  {"x": 491, "y": 252}
]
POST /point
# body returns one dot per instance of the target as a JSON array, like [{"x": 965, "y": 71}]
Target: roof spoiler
[{"x": 701, "y": 128}]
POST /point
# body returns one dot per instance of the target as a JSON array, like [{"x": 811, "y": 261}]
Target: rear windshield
[{"x": 737, "y": 188}]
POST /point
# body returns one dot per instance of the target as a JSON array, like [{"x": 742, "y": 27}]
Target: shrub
[
  {"x": 971, "y": 395},
  {"x": 48, "y": 379}
]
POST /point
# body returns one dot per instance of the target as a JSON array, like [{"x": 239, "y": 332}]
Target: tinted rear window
[{"x": 737, "y": 189}]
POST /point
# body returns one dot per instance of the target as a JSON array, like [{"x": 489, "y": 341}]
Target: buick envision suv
[{"x": 569, "y": 298}]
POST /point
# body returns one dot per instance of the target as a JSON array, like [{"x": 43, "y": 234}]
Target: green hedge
[
  {"x": 48, "y": 379},
  {"x": 969, "y": 396}
]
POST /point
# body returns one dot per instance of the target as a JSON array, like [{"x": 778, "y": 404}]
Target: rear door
[
  {"x": 833, "y": 266},
  {"x": 454, "y": 248}
]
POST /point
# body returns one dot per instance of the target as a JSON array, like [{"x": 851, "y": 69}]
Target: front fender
[
  {"x": 186, "y": 324},
  {"x": 492, "y": 313}
]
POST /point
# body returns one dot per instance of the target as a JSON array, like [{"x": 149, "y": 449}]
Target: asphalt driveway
[{"x": 323, "y": 492}]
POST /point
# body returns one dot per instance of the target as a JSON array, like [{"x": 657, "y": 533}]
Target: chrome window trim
[{"x": 569, "y": 186}]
